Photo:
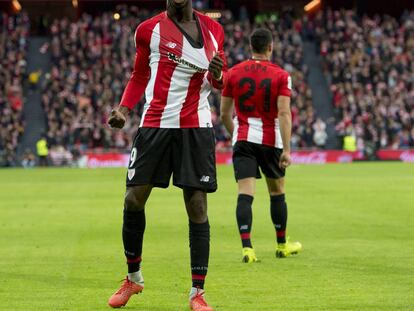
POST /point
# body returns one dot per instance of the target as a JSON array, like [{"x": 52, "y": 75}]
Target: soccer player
[
  {"x": 261, "y": 137},
  {"x": 179, "y": 58}
]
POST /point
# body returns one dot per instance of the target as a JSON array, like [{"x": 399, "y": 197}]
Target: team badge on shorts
[{"x": 131, "y": 173}]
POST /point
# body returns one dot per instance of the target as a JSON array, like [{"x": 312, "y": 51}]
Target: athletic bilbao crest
[{"x": 131, "y": 173}]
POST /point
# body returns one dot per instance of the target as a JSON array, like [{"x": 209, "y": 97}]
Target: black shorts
[
  {"x": 187, "y": 154},
  {"x": 248, "y": 157}
]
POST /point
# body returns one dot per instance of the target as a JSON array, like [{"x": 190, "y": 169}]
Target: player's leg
[
  {"x": 132, "y": 235},
  {"x": 275, "y": 179},
  {"x": 278, "y": 207},
  {"x": 133, "y": 229},
  {"x": 149, "y": 166},
  {"x": 279, "y": 214},
  {"x": 199, "y": 234},
  {"x": 246, "y": 171},
  {"x": 244, "y": 216},
  {"x": 195, "y": 172}
]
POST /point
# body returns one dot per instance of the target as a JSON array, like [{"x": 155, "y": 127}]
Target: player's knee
[
  {"x": 196, "y": 205},
  {"x": 277, "y": 191},
  {"x": 247, "y": 192},
  {"x": 132, "y": 202},
  {"x": 277, "y": 188},
  {"x": 247, "y": 186},
  {"x": 198, "y": 209},
  {"x": 274, "y": 193}
]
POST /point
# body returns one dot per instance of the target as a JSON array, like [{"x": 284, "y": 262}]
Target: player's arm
[
  {"x": 137, "y": 82},
  {"x": 285, "y": 124},
  {"x": 218, "y": 66},
  {"x": 227, "y": 104},
  {"x": 285, "y": 120},
  {"x": 226, "y": 113}
]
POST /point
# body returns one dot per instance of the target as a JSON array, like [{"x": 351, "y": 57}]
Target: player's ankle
[
  {"x": 136, "y": 277},
  {"x": 194, "y": 291}
]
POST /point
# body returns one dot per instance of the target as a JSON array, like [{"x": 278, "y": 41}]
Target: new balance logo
[
  {"x": 205, "y": 179},
  {"x": 171, "y": 45}
]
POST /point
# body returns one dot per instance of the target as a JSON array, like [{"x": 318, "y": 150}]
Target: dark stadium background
[{"x": 28, "y": 108}]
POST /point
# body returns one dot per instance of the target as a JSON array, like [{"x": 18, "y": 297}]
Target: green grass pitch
[{"x": 61, "y": 248}]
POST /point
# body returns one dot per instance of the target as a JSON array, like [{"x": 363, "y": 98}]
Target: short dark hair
[{"x": 260, "y": 40}]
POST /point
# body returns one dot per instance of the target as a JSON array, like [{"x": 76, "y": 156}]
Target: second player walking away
[
  {"x": 179, "y": 58},
  {"x": 261, "y": 132}
]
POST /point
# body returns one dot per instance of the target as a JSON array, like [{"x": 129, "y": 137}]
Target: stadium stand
[
  {"x": 370, "y": 65},
  {"x": 14, "y": 30},
  {"x": 92, "y": 60}
]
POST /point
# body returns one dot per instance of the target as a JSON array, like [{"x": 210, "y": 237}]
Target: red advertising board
[
  {"x": 306, "y": 157},
  {"x": 95, "y": 160},
  {"x": 298, "y": 157},
  {"x": 322, "y": 157},
  {"x": 395, "y": 155}
]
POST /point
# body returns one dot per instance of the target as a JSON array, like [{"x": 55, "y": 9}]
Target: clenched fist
[
  {"x": 118, "y": 117},
  {"x": 285, "y": 160},
  {"x": 216, "y": 67}
]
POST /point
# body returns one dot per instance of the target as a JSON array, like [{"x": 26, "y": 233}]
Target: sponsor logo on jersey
[{"x": 179, "y": 60}]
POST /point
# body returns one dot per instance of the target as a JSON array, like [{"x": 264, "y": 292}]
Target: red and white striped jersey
[
  {"x": 173, "y": 72},
  {"x": 255, "y": 86}
]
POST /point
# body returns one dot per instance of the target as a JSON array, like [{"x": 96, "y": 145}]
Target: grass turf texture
[{"x": 61, "y": 248}]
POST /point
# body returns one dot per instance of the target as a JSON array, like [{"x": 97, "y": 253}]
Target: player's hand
[
  {"x": 216, "y": 67},
  {"x": 285, "y": 160},
  {"x": 118, "y": 117}
]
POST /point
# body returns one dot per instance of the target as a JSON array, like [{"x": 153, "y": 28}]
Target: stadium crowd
[
  {"x": 92, "y": 61},
  {"x": 370, "y": 65},
  {"x": 14, "y": 30}
]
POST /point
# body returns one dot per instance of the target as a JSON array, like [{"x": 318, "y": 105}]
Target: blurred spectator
[
  {"x": 350, "y": 143},
  {"x": 60, "y": 156},
  {"x": 319, "y": 133},
  {"x": 42, "y": 150},
  {"x": 34, "y": 77},
  {"x": 14, "y": 31},
  {"x": 29, "y": 159}
]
